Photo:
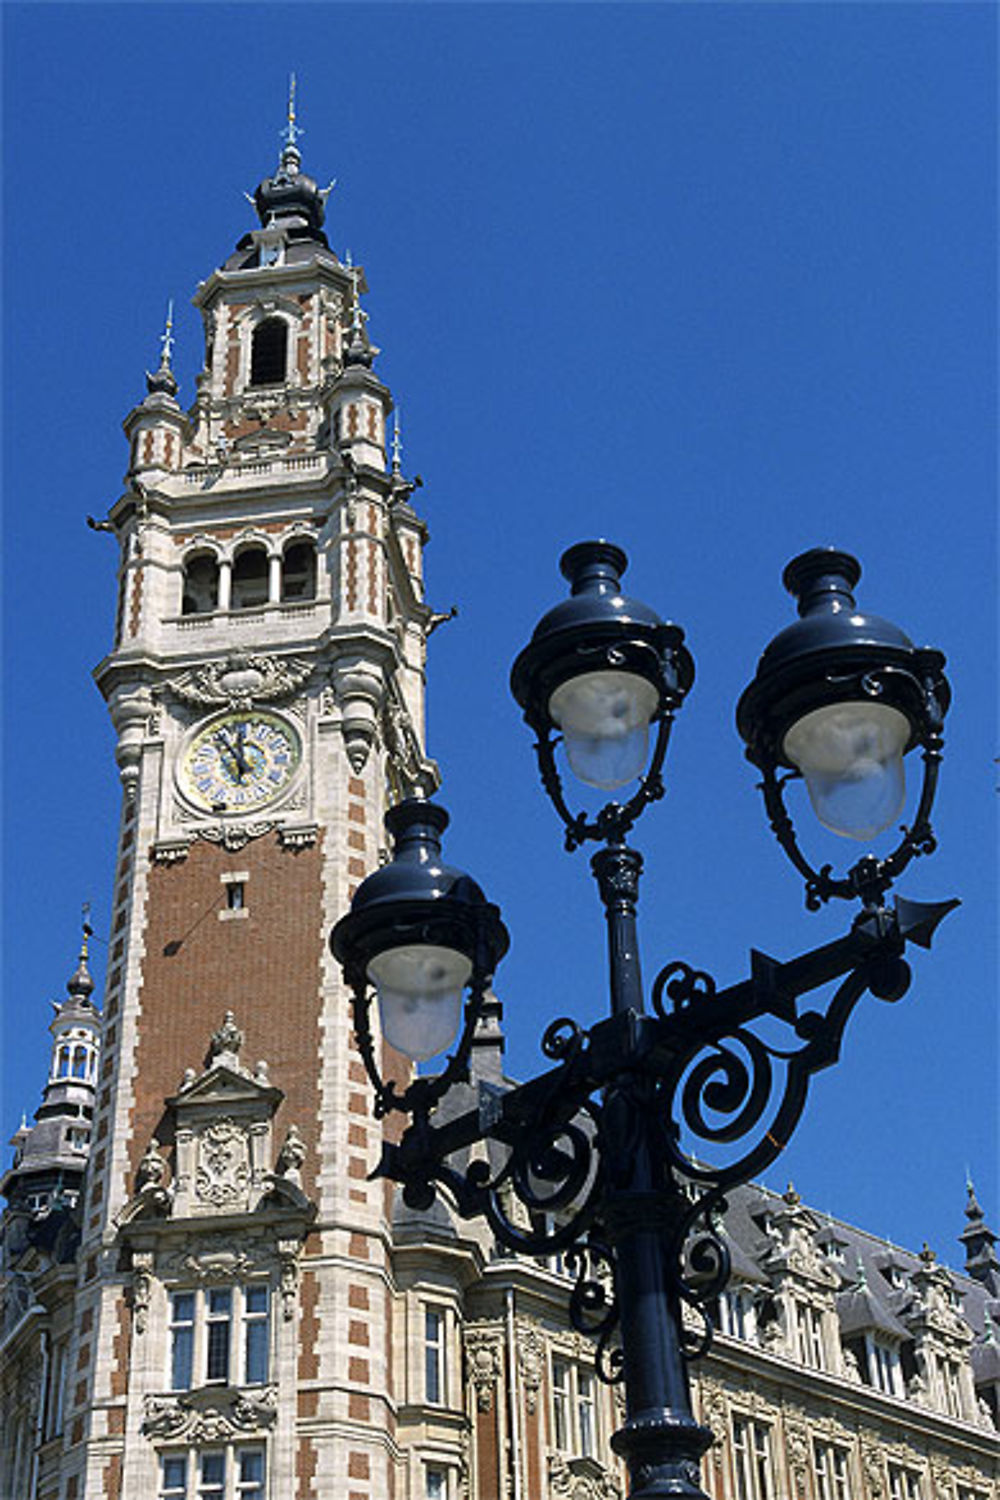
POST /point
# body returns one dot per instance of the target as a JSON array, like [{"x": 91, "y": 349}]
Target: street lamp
[{"x": 593, "y": 1147}]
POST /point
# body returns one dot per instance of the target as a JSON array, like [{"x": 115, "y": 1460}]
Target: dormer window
[{"x": 269, "y": 352}]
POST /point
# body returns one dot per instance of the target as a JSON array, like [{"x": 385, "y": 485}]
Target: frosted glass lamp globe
[
  {"x": 851, "y": 756},
  {"x": 419, "y": 991},
  {"x": 605, "y": 718}
]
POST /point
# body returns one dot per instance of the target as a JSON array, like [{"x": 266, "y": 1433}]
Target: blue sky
[{"x": 716, "y": 281}]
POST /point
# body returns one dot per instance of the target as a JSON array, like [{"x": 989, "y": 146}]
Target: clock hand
[
  {"x": 226, "y": 744},
  {"x": 241, "y": 735}
]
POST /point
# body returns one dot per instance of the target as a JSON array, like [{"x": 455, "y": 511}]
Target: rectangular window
[
  {"x": 219, "y": 1328},
  {"x": 752, "y": 1460},
  {"x": 433, "y": 1356},
  {"x": 212, "y": 1476},
  {"x": 220, "y": 1336},
  {"x": 586, "y": 1412},
  {"x": 736, "y": 1314},
  {"x": 181, "y": 1340},
  {"x": 255, "y": 1335},
  {"x": 904, "y": 1484},
  {"x": 250, "y": 1474},
  {"x": 173, "y": 1476},
  {"x": 560, "y": 1404},
  {"x": 833, "y": 1481},
  {"x": 952, "y": 1382},
  {"x": 435, "y": 1484},
  {"x": 883, "y": 1362},
  {"x": 809, "y": 1331}
]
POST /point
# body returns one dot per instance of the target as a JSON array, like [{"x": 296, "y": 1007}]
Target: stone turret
[{"x": 50, "y": 1157}]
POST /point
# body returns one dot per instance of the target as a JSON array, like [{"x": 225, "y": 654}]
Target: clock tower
[{"x": 234, "y": 1319}]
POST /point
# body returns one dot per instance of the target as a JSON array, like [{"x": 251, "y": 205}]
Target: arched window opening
[
  {"x": 269, "y": 352},
  {"x": 79, "y": 1062},
  {"x": 298, "y": 571},
  {"x": 250, "y": 579},
  {"x": 62, "y": 1070},
  {"x": 201, "y": 585}
]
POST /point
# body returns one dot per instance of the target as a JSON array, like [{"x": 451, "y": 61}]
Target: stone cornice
[{"x": 748, "y": 1367}]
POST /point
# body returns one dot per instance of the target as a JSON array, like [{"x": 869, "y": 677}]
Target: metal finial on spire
[
  {"x": 291, "y": 132},
  {"x": 167, "y": 339},
  {"x": 397, "y": 445},
  {"x": 88, "y": 931}
]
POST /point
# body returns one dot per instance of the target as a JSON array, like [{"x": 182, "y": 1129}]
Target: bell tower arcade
[{"x": 266, "y": 687}]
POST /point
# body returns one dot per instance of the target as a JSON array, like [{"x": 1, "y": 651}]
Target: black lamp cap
[
  {"x": 834, "y": 653},
  {"x": 597, "y": 628},
  {"x": 416, "y": 897}
]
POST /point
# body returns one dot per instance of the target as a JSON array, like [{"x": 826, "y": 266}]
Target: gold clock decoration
[{"x": 240, "y": 761}]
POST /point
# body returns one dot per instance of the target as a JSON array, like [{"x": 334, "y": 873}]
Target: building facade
[{"x": 206, "y": 1296}]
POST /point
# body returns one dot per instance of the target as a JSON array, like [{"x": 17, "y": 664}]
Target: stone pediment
[{"x": 227, "y": 1086}]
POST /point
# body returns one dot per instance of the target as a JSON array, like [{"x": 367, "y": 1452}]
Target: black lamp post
[{"x": 839, "y": 698}]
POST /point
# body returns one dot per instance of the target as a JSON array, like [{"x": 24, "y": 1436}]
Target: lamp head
[
  {"x": 417, "y": 930},
  {"x": 600, "y": 668},
  {"x": 842, "y": 696}
]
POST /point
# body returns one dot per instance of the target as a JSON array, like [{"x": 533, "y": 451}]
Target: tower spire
[
  {"x": 163, "y": 381},
  {"x": 291, "y": 156}
]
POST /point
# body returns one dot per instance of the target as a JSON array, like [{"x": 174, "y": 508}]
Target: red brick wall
[{"x": 265, "y": 968}]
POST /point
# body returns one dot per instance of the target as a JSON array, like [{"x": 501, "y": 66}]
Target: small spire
[
  {"x": 167, "y": 338},
  {"x": 291, "y": 132},
  {"x": 162, "y": 382},
  {"x": 861, "y": 1275},
  {"x": 80, "y": 982},
  {"x": 291, "y": 157},
  {"x": 358, "y": 351},
  {"x": 397, "y": 445}
]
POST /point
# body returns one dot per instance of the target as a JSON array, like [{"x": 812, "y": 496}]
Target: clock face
[{"x": 240, "y": 761}]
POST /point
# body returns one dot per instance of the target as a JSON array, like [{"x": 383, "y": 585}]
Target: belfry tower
[{"x": 266, "y": 688}]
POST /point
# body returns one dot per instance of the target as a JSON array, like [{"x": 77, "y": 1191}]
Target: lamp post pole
[
  {"x": 616, "y": 1141},
  {"x": 660, "y": 1442}
]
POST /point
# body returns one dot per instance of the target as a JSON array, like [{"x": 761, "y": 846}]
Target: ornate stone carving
[
  {"x": 581, "y": 1479},
  {"x": 872, "y": 1464},
  {"x": 223, "y": 1173},
  {"x": 483, "y": 1351},
  {"x": 152, "y": 1170},
  {"x": 240, "y": 680},
  {"x": 211, "y": 1415},
  {"x": 225, "y": 1042},
  {"x": 360, "y": 686},
  {"x": 234, "y": 836},
  {"x": 170, "y": 851},
  {"x": 797, "y": 1447},
  {"x": 714, "y": 1413},
  {"x": 301, "y": 836},
  {"x": 215, "y": 1265},
  {"x": 530, "y": 1362},
  {"x": 288, "y": 1273},
  {"x": 142, "y": 1287},
  {"x": 291, "y": 1156}
]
